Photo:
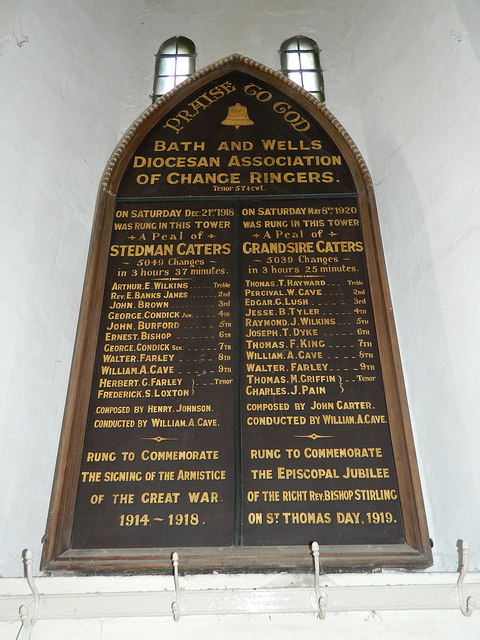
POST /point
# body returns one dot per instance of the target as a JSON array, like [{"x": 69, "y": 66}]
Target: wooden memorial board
[{"x": 236, "y": 390}]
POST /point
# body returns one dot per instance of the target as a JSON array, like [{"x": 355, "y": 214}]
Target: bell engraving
[{"x": 237, "y": 116}]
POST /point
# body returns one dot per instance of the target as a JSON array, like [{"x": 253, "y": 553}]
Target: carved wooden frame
[{"x": 57, "y": 554}]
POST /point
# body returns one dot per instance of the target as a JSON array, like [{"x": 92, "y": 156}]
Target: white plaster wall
[
  {"x": 360, "y": 626},
  {"x": 469, "y": 12},
  {"x": 407, "y": 91}
]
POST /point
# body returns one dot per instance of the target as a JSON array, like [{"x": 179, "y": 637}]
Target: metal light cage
[
  {"x": 175, "y": 61},
  {"x": 300, "y": 62}
]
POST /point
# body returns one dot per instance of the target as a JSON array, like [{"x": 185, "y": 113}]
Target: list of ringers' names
[
  {"x": 317, "y": 455},
  {"x": 158, "y": 459}
]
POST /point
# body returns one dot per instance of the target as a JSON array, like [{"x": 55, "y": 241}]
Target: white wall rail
[{"x": 64, "y": 598}]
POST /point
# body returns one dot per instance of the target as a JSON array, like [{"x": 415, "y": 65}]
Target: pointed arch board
[{"x": 236, "y": 390}]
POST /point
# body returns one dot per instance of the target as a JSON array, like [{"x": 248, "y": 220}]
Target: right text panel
[{"x": 316, "y": 450}]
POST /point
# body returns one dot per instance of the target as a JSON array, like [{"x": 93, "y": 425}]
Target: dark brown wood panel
[{"x": 236, "y": 390}]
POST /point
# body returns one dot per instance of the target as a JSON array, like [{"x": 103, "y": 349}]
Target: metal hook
[
  {"x": 26, "y": 628},
  {"x": 27, "y": 620},
  {"x": 27, "y": 560},
  {"x": 320, "y": 596},
  {"x": 176, "y": 603},
  {"x": 467, "y": 605}
]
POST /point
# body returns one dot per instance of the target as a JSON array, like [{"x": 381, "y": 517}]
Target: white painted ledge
[{"x": 73, "y": 598}]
